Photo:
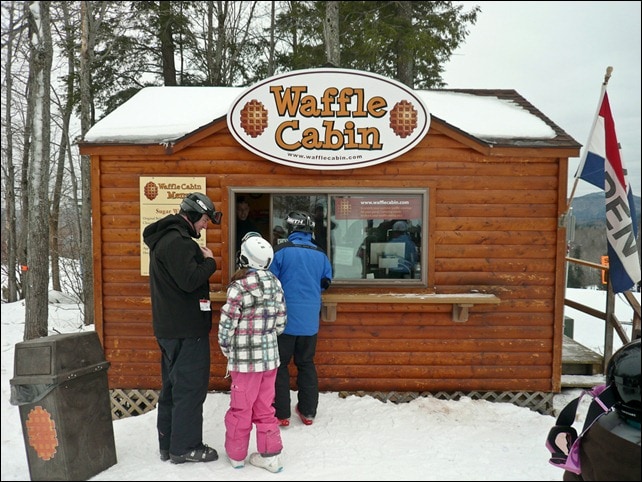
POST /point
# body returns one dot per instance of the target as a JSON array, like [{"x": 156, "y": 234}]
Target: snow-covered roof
[{"x": 162, "y": 115}]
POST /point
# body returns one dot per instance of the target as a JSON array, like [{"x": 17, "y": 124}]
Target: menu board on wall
[
  {"x": 160, "y": 196},
  {"x": 378, "y": 207}
]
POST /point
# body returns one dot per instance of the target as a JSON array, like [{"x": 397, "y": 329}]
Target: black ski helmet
[
  {"x": 300, "y": 221},
  {"x": 623, "y": 372},
  {"x": 199, "y": 203}
]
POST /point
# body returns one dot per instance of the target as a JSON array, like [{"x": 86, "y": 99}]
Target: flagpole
[{"x": 607, "y": 76}]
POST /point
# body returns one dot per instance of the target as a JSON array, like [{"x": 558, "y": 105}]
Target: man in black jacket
[{"x": 179, "y": 272}]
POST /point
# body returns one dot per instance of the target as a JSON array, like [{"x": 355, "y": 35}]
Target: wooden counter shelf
[{"x": 461, "y": 301}]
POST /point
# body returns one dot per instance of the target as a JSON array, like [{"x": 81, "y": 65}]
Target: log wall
[{"x": 493, "y": 228}]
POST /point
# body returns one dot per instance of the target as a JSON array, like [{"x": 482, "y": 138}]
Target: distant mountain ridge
[{"x": 591, "y": 208}]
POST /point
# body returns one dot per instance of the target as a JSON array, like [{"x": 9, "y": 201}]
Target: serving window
[{"x": 370, "y": 237}]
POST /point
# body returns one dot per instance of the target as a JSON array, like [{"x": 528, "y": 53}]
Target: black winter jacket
[{"x": 178, "y": 279}]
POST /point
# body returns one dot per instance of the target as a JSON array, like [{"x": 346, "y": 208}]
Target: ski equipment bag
[{"x": 563, "y": 441}]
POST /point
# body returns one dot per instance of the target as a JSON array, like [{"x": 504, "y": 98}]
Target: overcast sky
[{"x": 555, "y": 55}]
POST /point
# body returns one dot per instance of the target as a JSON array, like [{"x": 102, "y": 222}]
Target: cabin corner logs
[{"x": 485, "y": 314}]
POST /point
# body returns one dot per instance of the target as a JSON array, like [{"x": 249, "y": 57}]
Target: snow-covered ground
[{"x": 354, "y": 438}]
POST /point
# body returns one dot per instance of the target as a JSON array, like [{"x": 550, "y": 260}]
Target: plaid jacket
[{"x": 251, "y": 319}]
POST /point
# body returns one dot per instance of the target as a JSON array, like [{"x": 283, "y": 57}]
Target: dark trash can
[{"x": 60, "y": 385}]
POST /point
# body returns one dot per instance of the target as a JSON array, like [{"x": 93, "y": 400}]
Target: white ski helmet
[{"x": 256, "y": 253}]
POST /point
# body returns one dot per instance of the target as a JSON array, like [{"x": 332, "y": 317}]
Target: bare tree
[
  {"x": 67, "y": 37},
  {"x": 37, "y": 303},
  {"x": 331, "y": 33},
  {"x": 16, "y": 130},
  {"x": 89, "y": 27},
  {"x": 405, "y": 52},
  {"x": 272, "y": 45},
  {"x": 165, "y": 36},
  {"x": 14, "y": 27},
  {"x": 228, "y": 38},
  {"x": 22, "y": 221}
]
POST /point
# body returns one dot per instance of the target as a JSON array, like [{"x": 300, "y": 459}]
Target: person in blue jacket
[{"x": 304, "y": 271}]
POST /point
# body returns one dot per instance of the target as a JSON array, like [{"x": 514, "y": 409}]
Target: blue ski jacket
[{"x": 304, "y": 271}]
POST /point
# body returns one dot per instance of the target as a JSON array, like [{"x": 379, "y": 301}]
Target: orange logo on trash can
[{"x": 41, "y": 431}]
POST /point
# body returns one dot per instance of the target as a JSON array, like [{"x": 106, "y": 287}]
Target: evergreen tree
[{"x": 408, "y": 41}]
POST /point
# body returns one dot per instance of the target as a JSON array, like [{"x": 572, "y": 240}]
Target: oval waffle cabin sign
[{"x": 328, "y": 119}]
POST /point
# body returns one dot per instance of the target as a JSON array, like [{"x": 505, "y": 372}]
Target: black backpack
[{"x": 563, "y": 441}]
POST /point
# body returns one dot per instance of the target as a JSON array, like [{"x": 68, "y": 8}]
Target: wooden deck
[{"x": 580, "y": 365}]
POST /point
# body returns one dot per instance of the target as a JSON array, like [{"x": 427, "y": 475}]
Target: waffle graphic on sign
[
  {"x": 151, "y": 190},
  {"x": 41, "y": 431},
  {"x": 254, "y": 118},
  {"x": 344, "y": 208},
  {"x": 403, "y": 119}
]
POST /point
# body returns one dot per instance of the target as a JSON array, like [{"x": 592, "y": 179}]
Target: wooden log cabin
[{"x": 481, "y": 181}]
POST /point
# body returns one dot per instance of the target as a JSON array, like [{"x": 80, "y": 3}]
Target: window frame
[{"x": 329, "y": 194}]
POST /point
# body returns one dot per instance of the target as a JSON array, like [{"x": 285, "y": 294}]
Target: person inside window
[
  {"x": 244, "y": 224},
  {"x": 405, "y": 266},
  {"x": 278, "y": 236},
  {"x": 321, "y": 228},
  {"x": 363, "y": 252}
]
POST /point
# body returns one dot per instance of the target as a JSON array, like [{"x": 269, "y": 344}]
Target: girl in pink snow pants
[{"x": 251, "y": 319}]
